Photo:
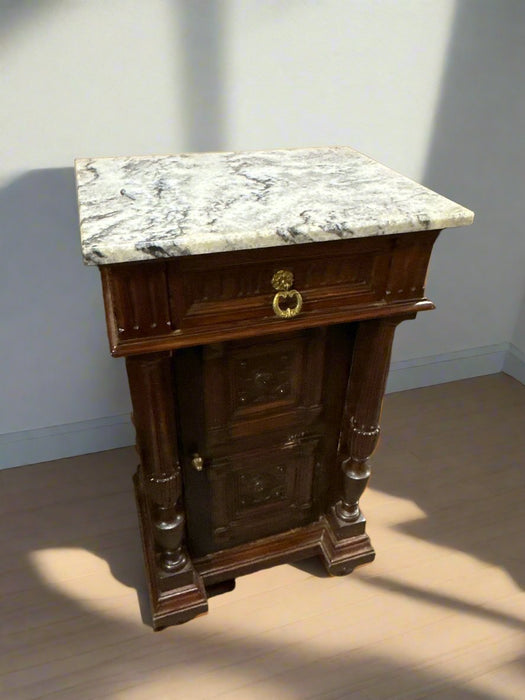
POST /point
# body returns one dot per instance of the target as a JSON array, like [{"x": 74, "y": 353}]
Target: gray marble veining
[{"x": 139, "y": 208}]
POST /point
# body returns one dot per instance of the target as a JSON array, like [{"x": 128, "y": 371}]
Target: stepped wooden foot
[
  {"x": 342, "y": 550},
  {"x": 175, "y": 596}
]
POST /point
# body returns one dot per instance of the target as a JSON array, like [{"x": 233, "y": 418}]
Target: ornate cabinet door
[{"x": 259, "y": 426}]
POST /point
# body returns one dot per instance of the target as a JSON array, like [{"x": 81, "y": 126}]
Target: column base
[
  {"x": 179, "y": 597},
  {"x": 175, "y": 597},
  {"x": 343, "y": 528},
  {"x": 345, "y": 546}
]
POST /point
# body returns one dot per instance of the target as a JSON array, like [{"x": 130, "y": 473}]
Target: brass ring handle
[
  {"x": 290, "y": 311},
  {"x": 281, "y": 282}
]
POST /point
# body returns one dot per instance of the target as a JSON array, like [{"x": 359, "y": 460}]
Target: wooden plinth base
[{"x": 181, "y": 596}]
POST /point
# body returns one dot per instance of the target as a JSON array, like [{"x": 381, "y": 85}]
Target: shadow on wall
[
  {"x": 201, "y": 26},
  {"x": 14, "y": 13},
  {"x": 477, "y": 157},
  {"x": 51, "y": 309}
]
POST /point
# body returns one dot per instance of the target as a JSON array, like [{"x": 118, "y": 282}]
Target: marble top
[{"x": 139, "y": 208}]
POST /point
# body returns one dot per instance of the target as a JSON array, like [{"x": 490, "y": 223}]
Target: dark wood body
[{"x": 283, "y": 413}]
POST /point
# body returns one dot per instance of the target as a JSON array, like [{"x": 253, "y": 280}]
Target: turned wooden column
[
  {"x": 159, "y": 474},
  {"x": 360, "y": 428},
  {"x": 176, "y": 590}
]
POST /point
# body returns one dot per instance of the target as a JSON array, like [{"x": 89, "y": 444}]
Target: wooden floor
[{"x": 440, "y": 614}]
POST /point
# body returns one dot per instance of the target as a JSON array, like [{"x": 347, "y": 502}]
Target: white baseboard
[
  {"x": 514, "y": 363},
  {"x": 447, "y": 367},
  {"x": 69, "y": 440},
  {"x": 57, "y": 442}
]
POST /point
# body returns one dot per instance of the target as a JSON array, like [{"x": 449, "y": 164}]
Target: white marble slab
[{"x": 146, "y": 207}]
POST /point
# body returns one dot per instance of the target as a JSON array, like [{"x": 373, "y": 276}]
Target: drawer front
[
  {"x": 167, "y": 304},
  {"x": 207, "y": 294}
]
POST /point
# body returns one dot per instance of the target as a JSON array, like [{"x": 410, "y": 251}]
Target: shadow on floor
[
  {"x": 88, "y": 504},
  {"x": 467, "y": 477}
]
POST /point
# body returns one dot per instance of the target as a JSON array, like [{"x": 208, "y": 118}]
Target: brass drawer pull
[{"x": 281, "y": 282}]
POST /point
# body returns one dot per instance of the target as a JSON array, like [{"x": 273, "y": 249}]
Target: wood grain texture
[
  {"x": 198, "y": 298},
  {"x": 264, "y": 435},
  {"x": 360, "y": 429},
  {"x": 265, "y": 415},
  {"x": 176, "y": 591}
]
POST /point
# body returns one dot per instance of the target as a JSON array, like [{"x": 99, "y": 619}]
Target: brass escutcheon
[{"x": 281, "y": 282}]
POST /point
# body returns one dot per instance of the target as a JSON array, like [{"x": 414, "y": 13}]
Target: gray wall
[{"x": 433, "y": 89}]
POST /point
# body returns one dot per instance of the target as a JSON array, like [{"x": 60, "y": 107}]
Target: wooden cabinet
[
  {"x": 255, "y": 298},
  {"x": 164, "y": 304},
  {"x": 254, "y": 430}
]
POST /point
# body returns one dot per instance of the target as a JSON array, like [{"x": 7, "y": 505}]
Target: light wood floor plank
[{"x": 440, "y": 614}]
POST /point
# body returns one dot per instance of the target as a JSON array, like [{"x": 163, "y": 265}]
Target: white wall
[
  {"x": 77, "y": 79},
  {"x": 477, "y": 155},
  {"x": 518, "y": 338},
  {"x": 432, "y": 88},
  {"x": 338, "y": 72},
  {"x": 435, "y": 90}
]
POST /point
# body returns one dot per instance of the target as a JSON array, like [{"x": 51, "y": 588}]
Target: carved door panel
[
  {"x": 262, "y": 491},
  {"x": 263, "y": 415},
  {"x": 251, "y": 387}
]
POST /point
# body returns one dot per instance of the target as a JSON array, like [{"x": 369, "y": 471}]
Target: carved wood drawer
[
  {"x": 212, "y": 294},
  {"x": 158, "y": 304}
]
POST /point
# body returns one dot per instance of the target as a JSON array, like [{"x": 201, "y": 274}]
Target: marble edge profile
[{"x": 202, "y": 244}]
